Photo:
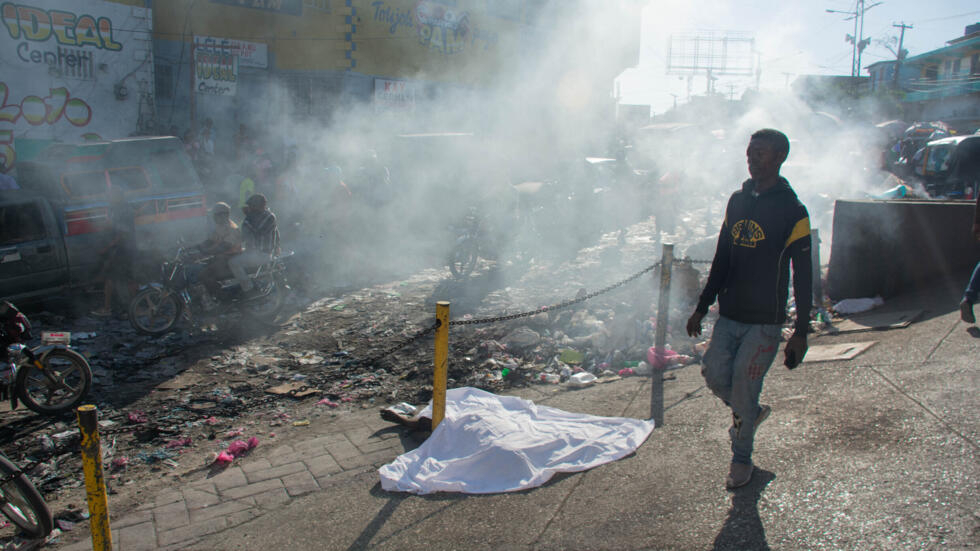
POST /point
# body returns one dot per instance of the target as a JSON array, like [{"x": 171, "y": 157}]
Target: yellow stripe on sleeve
[{"x": 800, "y": 230}]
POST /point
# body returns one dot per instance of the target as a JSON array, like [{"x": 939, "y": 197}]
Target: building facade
[
  {"x": 945, "y": 83},
  {"x": 270, "y": 63}
]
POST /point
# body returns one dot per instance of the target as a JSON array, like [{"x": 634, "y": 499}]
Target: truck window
[
  {"x": 20, "y": 223},
  {"x": 173, "y": 169},
  {"x": 128, "y": 179},
  {"x": 85, "y": 184}
]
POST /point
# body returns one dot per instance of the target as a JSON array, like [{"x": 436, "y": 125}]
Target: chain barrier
[
  {"x": 560, "y": 305},
  {"x": 244, "y": 404},
  {"x": 691, "y": 261}
]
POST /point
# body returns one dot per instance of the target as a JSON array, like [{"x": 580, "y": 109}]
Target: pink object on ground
[
  {"x": 224, "y": 458},
  {"x": 328, "y": 402},
  {"x": 237, "y": 448},
  {"x": 659, "y": 359},
  {"x": 136, "y": 417},
  {"x": 179, "y": 443},
  {"x": 626, "y": 372}
]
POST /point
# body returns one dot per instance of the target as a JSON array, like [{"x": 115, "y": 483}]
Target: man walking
[{"x": 765, "y": 226}]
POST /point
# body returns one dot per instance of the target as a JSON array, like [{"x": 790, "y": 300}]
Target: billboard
[{"x": 73, "y": 69}]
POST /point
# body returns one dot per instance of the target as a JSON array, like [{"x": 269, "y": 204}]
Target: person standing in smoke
[
  {"x": 765, "y": 227},
  {"x": 118, "y": 256}
]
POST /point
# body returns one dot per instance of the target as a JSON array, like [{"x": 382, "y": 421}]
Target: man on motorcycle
[
  {"x": 260, "y": 235},
  {"x": 224, "y": 243}
]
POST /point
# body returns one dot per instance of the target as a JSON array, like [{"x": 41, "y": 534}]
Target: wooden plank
[
  {"x": 836, "y": 352},
  {"x": 288, "y": 387},
  {"x": 878, "y": 322}
]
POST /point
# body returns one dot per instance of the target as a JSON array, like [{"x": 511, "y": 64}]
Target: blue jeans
[
  {"x": 734, "y": 366},
  {"x": 973, "y": 289}
]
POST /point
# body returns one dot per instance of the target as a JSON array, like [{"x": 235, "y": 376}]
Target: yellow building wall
[
  {"x": 427, "y": 39},
  {"x": 311, "y": 42}
]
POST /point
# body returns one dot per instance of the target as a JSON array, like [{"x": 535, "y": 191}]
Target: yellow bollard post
[
  {"x": 441, "y": 364},
  {"x": 98, "y": 501}
]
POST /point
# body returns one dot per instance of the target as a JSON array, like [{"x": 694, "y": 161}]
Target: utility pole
[
  {"x": 857, "y": 39},
  {"x": 899, "y": 55}
]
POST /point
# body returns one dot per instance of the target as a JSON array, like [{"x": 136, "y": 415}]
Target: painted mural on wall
[
  {"x": 441, "y": 26},
  {"x": 72, "y": 70}
]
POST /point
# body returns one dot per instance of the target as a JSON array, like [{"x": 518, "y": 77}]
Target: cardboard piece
[
  {"x": 878, "y": 322},
  {"x": 286, "y": 388},
  {"x": 180, "y": 382},
  {"x": 835, "y": 352}
]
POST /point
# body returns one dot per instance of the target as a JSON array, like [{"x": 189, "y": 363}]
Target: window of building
[
  {"x": 20, "y": 223},
  {"x": 931, "y": 72},
  {"x": 164, "y": 81},
  {"x": 975, "y": 64},
  {"x": 956, "y": 67}
]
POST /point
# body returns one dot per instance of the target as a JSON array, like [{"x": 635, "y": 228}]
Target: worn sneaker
[
  {"x": 739, "y": 475},
  {"x": 966, "y": 312}
]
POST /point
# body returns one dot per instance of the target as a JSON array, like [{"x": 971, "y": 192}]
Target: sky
[{"x": 792, "y": 38}]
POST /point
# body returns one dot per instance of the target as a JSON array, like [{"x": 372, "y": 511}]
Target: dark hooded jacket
[{"x": 750, "y": 272}]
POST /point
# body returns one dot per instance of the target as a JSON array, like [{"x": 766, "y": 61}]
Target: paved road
[{"x": 879, "y": 452}]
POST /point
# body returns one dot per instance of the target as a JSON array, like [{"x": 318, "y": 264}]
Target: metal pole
[
  {"x": 98, "y": 501},
  {"x": 815, "y": 255},
  {"x": 193, "y": 98},
  {"x": 660, "y": 342},
  {"x": 898, "y": 58},
  {"x": 441, "y": 364},
  {"x": 860, "y": 39}
]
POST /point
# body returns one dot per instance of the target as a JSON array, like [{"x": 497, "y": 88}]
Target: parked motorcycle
[
  {"x": 158, "y": 307},
  {"x": 22, "y": 503},
  {"x": 49, "y": 379}
]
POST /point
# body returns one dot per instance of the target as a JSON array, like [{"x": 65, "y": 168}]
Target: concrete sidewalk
[{"x": 879, "y": 452}]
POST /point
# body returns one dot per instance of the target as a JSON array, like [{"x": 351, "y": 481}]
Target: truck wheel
[{"x": 154, "y": 311}]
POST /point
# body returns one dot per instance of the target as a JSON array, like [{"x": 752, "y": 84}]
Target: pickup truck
[{"x": 53, "y": 227}]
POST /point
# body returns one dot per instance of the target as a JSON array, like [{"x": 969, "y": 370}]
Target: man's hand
[
  {"x": 795, "y": 350},
  {"x": 694, "y": 324}
]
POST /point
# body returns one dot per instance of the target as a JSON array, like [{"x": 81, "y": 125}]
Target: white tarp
[{"x": 488, "y": 443}]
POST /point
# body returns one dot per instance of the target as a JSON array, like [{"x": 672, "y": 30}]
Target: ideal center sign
[{"x": 217, "y": 60}]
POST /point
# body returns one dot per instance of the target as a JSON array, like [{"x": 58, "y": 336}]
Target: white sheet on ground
[{"x": 488, "y": 443}]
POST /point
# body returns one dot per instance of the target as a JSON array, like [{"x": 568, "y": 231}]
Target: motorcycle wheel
[
  {"x": 60, "y": 387},
  {"x": 153, "y": 313},
  {"x": 462, "y": 260},
  {"x": 22, "y": 503},
  {"x": 267, "y": 308}
]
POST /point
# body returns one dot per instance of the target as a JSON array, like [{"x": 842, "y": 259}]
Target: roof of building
[{"x": 946, "y": 50}]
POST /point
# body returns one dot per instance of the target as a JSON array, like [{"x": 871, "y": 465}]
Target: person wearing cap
[
  {"x": 260, "y": 235},
  {"x": 224, "y": 243}
]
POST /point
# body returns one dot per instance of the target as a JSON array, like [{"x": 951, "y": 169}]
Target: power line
[{"x": 947, "y": 17}]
